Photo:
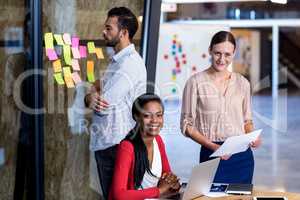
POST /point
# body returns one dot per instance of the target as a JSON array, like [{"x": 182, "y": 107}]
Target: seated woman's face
[{"x": 151, "y": 119}]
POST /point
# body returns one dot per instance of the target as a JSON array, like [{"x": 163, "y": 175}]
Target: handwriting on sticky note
[
  {"x": 59, "y": 79},
  {"x": 76, "y": 78},
  {"x": 57, "y": 66},
  {"x": 99, "y": 53},
  {"x": 75, "y": 52},
  {"x": 90, "y": 71},
  {"x": 58, "y": 39},
  {"x": 48, "y": 38},
  {"x": 75, "y": 41},
  {"x": 69, "y": 80},
  {"x": 67, "y": 38},
  {"x": 82, "y": 50},
  {"x": 75, "y": 65},
  {"x": 51, "y": 54},
  {"x": 91, "y": 47},
  {"x": 67, "y": 54}
]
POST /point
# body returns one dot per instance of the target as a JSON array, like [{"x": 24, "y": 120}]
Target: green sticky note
[
  {"x": 48, "y": 38},
  {"x": 59, "y": 78},
  {"x": 91, "y": 47},
  {"x": 67, "y": 70},
  {"x": 59, "y": 39},
  {"x": 67, "y": 54}
]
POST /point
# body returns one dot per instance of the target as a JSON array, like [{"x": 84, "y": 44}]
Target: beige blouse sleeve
[
  {"x": 247, "y": 102},
  {"x": 189, "y": 104}
]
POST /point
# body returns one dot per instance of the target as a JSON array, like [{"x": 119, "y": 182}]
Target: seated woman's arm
[{"x": 119, "y": 188}]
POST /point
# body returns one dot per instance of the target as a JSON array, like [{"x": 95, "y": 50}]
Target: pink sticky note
[
  {"x": 76, "y": 78},
  {"x": 75, "y": 41},
  {"x": 51, "y": 54},
  {"x": 75, "y": 52},
  {"x": 67, "y": 38},
  {"x": 75, "y": 65},
  {"x": 82, "y": 50}
]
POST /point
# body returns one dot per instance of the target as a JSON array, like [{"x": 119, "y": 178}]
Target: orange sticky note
[
  {"x": 75, "y": 65},
  {"x": 69, "y": 81},
  {"x": 76, "y": 78},
  {"x": 90, "y": 71},
  {"x": 56, "y": 66},
  {"x": 99, "y": 53}
]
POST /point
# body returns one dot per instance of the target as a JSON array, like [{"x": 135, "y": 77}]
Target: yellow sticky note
[
  {"x": 90, "y": 71},
  {"x": 59, "y": 79},
  {"x": 57, "y": 66},
  {"x": 91, "y": 47},
  {"x": 48, "y": 37},
  {"x": 67, "y": 54},
  {"x": 59, "y": 39},
  {"x": 69, "y": 80},
  {"x": 67, "y": 71},
  {"x": 99, "y": 53}
]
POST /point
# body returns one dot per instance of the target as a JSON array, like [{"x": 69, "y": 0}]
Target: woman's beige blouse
[{"x": 214, "y": 115}]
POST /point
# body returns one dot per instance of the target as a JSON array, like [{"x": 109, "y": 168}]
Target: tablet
[{"x": 269, "y": 198}]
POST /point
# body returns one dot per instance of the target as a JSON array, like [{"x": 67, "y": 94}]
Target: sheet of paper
[
  {"x": 56, "y": 66},
  {"x": 48, "y": 38},
  {"x": 75, "y": 41},
  {"x": 91, "y": 47},
  {"x": 75, "y": 65},
  {"x": 99, "y": 53},
  {"x": 67, "y": 54},
  {"x": 82, "y": 50},
  {"x": 90, "y": 71},
  {"x": 236, "y": 144},
  {"x": 51, "y": 54},
  {"x": 58, "y": 39},
  {"x": 75, "y": 52},
  {"x": 216, "y": 194},
  {"x": 69, "y": 80},
  {"x": 59, "y": 79},
  {"x": 67, "y": 38},
  {"x": 76, "y": 78}
]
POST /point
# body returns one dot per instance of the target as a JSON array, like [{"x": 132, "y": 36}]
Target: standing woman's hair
[
  {"x": 134, "y": 136},
  {"x": 222, "y": 36}
]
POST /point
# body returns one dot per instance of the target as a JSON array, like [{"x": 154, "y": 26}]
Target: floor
[{"x": 277, "y": 161}]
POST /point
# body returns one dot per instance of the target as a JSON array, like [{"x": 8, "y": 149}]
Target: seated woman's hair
[{"x": 134, "y": 136}]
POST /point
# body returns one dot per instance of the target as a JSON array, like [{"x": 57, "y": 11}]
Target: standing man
[{"x": 124, "y": 80}]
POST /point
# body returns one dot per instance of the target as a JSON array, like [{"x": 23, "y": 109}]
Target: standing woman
[
  {"x": 216, "y": 105},
  {"x": 142, "y": 168}
]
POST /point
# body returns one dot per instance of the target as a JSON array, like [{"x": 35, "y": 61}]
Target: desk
[{"x": 256, "y": 192}]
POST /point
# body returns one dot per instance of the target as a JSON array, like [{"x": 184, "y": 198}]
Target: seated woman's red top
[{"x": 123, "y": 180}]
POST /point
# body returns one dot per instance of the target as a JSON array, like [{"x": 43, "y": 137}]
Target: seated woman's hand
[{"x": 168, "y": 183}]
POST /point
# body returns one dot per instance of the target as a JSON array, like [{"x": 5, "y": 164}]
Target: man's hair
[{"x": 126, "y": 19}]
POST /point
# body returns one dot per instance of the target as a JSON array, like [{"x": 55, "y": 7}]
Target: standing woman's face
[
  {"x": 222, "y": 55},
  {"x": 151, "y": 119}
]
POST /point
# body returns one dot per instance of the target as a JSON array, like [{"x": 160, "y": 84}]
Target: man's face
[{"x": 111, "y": 32}]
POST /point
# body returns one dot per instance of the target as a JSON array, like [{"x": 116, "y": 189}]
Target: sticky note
[
  {"x": 67, "y": 54},
  {"x": 59, "y": 79},
  {"x": 75, "y": 41},
  {"x": 91, "y": 47},
  {"x": 48, "y": 38},
  {"x": 82, "y": 50},
  {"x": 58, "y": 39},
  {"x": 75, "y": 52},
  {"x": 67, "y": 70},
  {"x": 69, "y": 80},
  {"x": 75, "y": 65},
  {"x": 76, "y": 78},
  {"x": 90, "y": 71},
  {"x": 99, "y": 53},
  {"x": 51, "y": 54},
  {"x": 57, "y": 66},
  {"x": 67, "y": 38}
]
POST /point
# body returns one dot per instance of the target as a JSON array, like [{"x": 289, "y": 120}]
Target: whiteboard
[{"x": 182, "y": 51}]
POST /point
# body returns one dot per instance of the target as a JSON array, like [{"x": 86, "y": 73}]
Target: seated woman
[{"x": 142, "y": 168}]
